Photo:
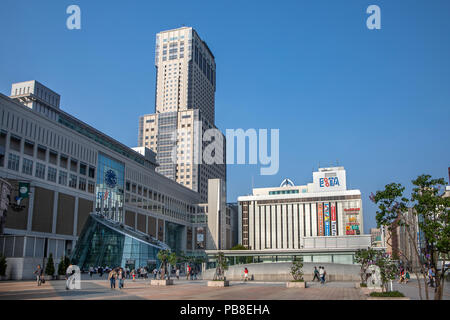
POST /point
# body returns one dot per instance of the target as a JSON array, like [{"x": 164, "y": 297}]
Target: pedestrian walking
[
  {"x": 407, "y": 276},
  {"x": 322, "y": 274},
  {"x": 121, "y": 278},
  {"x": 188, "y": 272},
  {"x": 112, "y": 279},
  {"x": 177, "y": 273},
  {"x": 155, "y": 273},
  {"x": 39, "y": 274},
  {"x": 316, "y": 274},
  {"x": 133, "y": 274},
  {"x": 91, "y": 271}
]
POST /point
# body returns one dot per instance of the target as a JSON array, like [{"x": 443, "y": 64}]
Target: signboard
[
  {"x": 333, "y": 220},
  {"x": 320, "y": 219},
  {"x": 326, "y": 217},
  {"x": 24, "y": 189},
  {"x": 332, "y": 180}
]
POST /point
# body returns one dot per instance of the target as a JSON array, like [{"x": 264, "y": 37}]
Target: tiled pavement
[{"x": 182, "y": 289}]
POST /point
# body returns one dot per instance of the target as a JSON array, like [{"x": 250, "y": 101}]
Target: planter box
[
  {"x": 224, "y": 283},
  {"x": 296, "y": 284},
  {"x": 161, "y": 282},
  {"x": 367, "y": 291},
  {"x": 388, "y": 298}
]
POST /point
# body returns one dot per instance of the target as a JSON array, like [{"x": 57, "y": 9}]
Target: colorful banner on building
[
  {"x": 326, "y": 217},
  {"x": 320, "y": 219},
  {"x": 333, "y": 220}
]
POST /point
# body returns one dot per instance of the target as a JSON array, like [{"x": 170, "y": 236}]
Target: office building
[{"x": 184, "y": 110}]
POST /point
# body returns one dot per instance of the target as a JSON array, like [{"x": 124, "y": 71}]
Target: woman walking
[
  {"x": 121, "y": 277},
  {"x": 112, "y": 278}
]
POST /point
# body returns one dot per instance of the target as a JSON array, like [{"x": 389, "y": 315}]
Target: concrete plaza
[{"x": 99, "y": 289}]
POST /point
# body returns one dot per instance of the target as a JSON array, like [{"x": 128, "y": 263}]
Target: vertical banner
[
  {"x": 320, "y": 219},
  {"x": 333, "y": 220},
  {"x": 326, "y": 217}
]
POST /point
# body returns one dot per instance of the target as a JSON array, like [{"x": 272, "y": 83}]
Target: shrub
[
  {"x": 392, "y": 294},
  {"x": 50, "y": 268},
  {"x": 297, "y": 269},
  {"x": 363, "y": 285},
  {"x": 62, "y": 267}
]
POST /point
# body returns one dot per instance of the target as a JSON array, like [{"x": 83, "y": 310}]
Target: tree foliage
[
  {"x": 297, "y": 269},
  {"x": 431, "y": 214},
  {"x": 365, "y": 257},
  {"x": 222, "y": 265},
  {"x": 50, "y": 268},
  {"x": 166, "y": 257}
]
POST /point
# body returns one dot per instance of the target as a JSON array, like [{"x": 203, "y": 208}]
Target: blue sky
[{"x": 377, "y": 101}]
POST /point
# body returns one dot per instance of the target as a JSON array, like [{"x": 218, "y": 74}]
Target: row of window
[{"x": 72, "y": 180}]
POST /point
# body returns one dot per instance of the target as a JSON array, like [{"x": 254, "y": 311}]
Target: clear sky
[{"x": 376, "y": 101}]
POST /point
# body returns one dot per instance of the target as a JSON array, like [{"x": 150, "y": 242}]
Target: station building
[
  {"x": 71, "y": 173},
  {"x": 321, "y": 221}
]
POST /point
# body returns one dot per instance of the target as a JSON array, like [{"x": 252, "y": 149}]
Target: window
[
  {"x": 73, "y": 181},
  {"x": 51, "y": 174},
  {"x": 40, "y": 171},
  {"x": 14, "y": 143},
  {"x": 83, "y": 169},
  {"x": 73, "y": 165},
  {"x": 91, "y": 172},
  {"x": 62, "y": 179},
  {"x": 41, "y": 152},
  {"x": 13, "y": 162},
  {"x": 28, "y": 148},
  {"x": 127, "y": 185},
  {"x": 27, "y": 166},
  {"x": 63, "y": 161},
  {"x": 53, "y": 156},
  {"x": 91, "y": 186},
  {"x": 82, "y": 184}
]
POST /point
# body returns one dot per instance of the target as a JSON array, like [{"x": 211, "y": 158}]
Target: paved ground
[
  {"x": 98, "y": 289},
  {"x": 195, "y": 290},
  {"x": 411, "y": 289}
]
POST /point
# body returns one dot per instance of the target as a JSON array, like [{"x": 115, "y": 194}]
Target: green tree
[
  {"x": 166, "y": 258},
  {"x": 3, "y": 265},
  {"x": 62, "y": 267},
  {"x": 222, "y": 265},
  {"x": 431, "y": 211},
  {"x": 365, "y": 257},
  {"x": 50, "y": 268},
  {"x": 242, "y": 260},
  {"x": 388, "y": 268},
  {"x": 297, "y": 269}
]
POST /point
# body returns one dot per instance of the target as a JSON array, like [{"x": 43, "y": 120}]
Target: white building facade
[{"x": 319, "y": 216}]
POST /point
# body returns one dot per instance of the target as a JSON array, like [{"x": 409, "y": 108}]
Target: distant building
[
  {"x": 376, "y": 237},
  {"x": 321, "y": 221}
]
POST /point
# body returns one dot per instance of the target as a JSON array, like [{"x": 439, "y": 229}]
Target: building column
[
  {"x": 55, "y": 210},
  {"x": 75, "y": 217},
  {"x": 30, "y": 208}
]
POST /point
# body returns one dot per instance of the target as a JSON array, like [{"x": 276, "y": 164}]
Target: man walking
[
  {"x": 39, "y": 274},
  {"x": 316, "y": 274},
  {"x": 112, "y": 279},
  {"x": 322, "y": 274}
]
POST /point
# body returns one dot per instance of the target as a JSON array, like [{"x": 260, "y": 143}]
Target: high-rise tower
[{"x": 185, "y": 93}]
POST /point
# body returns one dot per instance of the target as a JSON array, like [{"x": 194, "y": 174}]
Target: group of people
[
  {"x": 404, "y": 276},
  {"x": 117, "y": 274},
  {"x": 320, "y": 274}
]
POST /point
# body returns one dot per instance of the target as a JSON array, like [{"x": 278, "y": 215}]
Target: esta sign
[{"x": 329, "y": 182}]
